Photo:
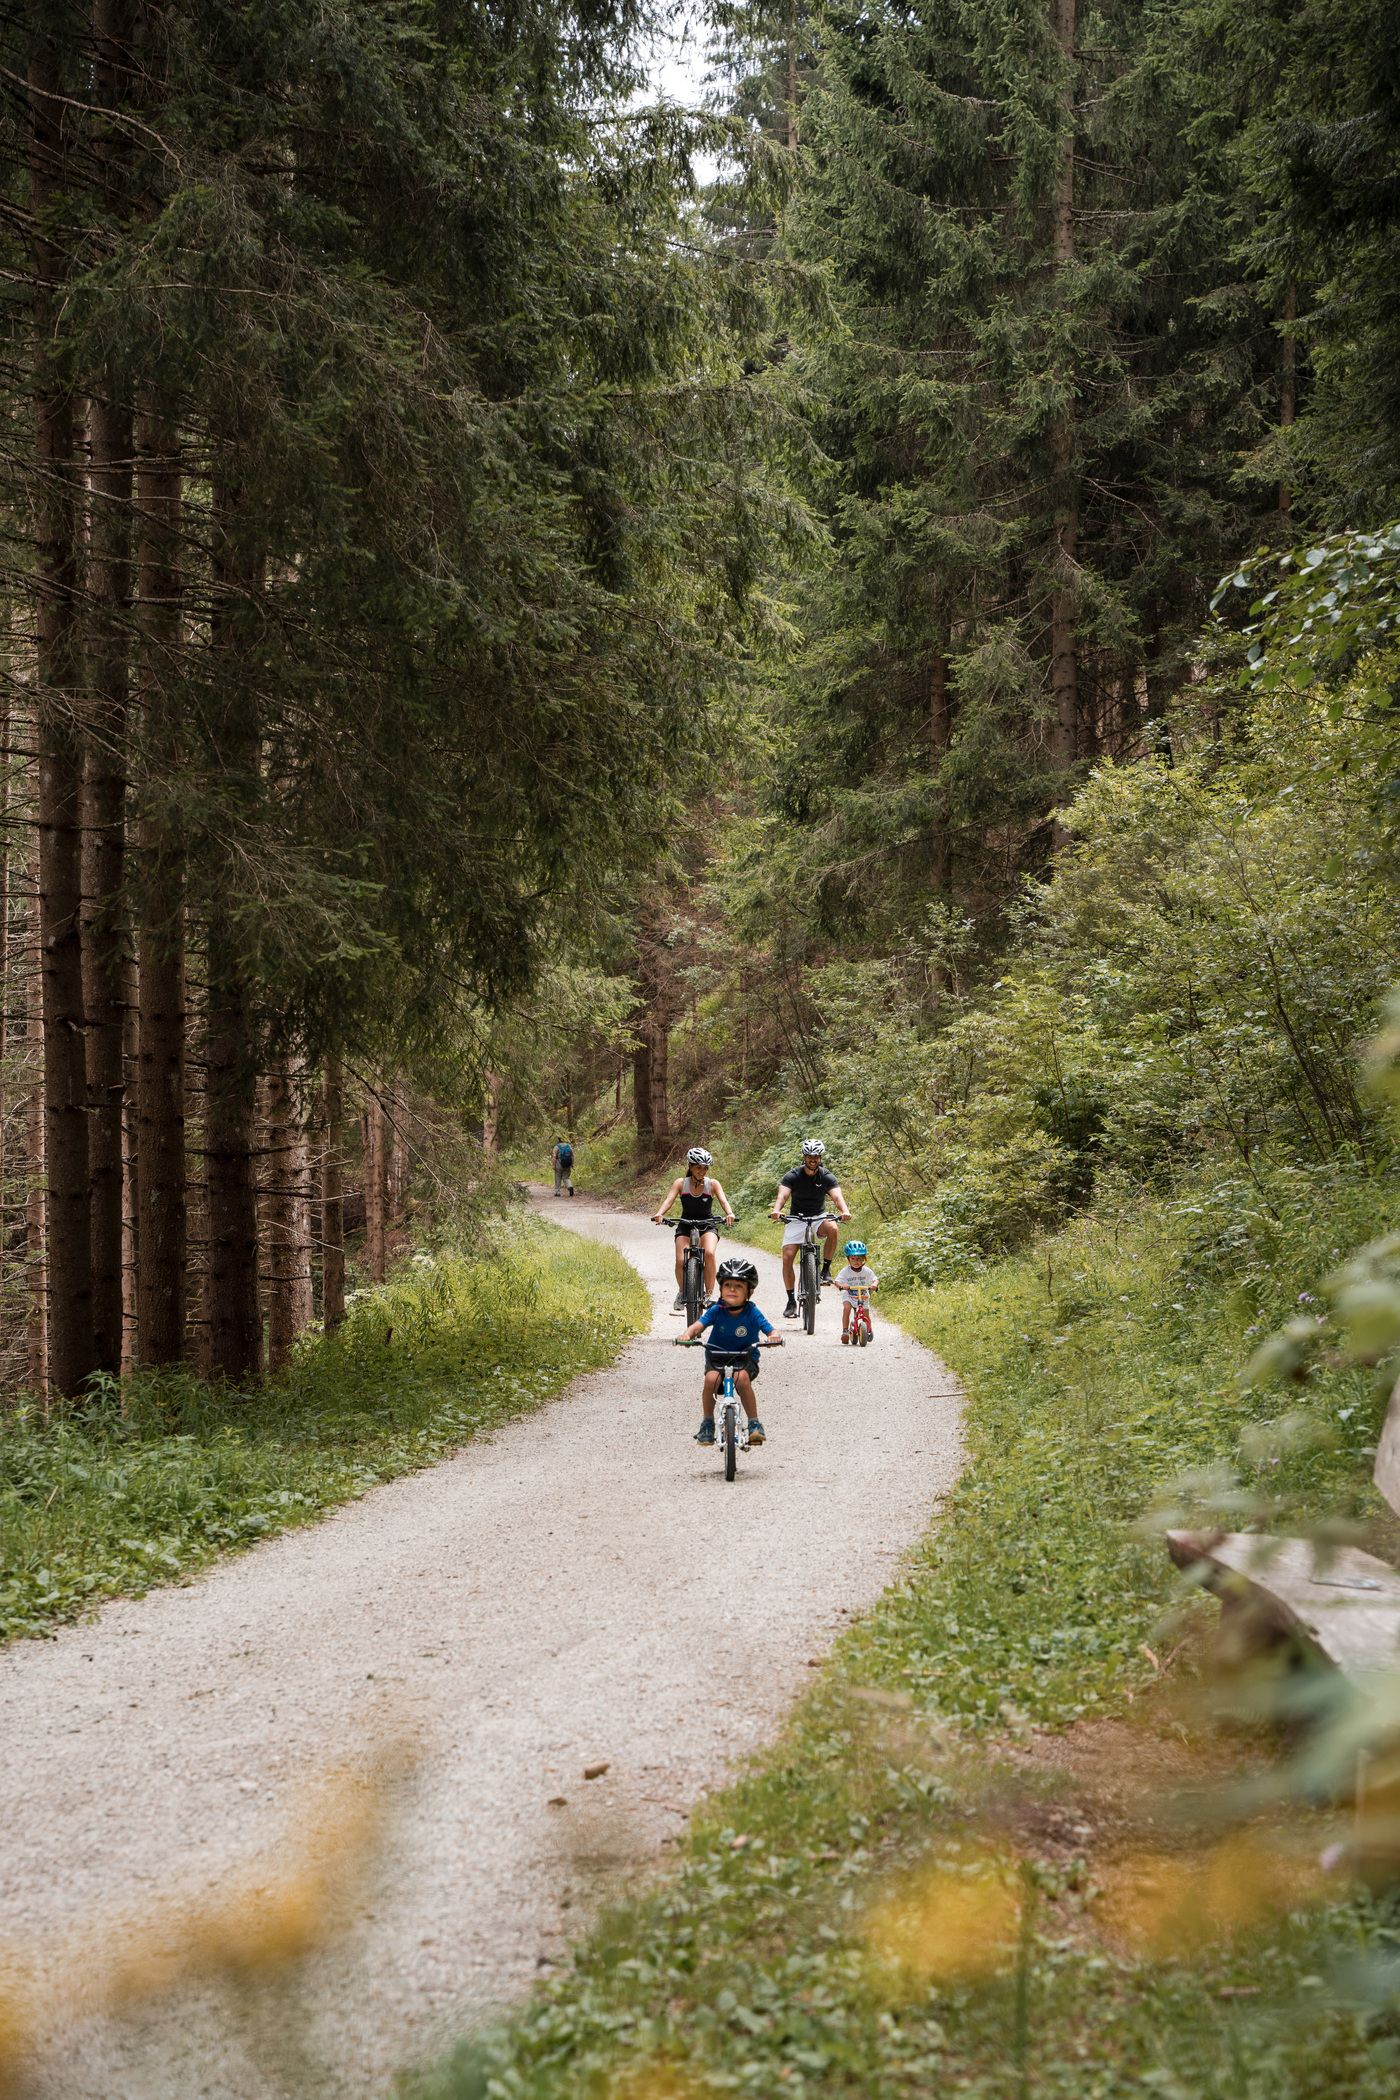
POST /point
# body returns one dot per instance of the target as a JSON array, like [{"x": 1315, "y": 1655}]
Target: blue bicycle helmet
[{"x": 855, "y": 1247}]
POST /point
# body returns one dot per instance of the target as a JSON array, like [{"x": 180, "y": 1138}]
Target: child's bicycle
[
  {"x": 731, "y": 1423},
  {"x": 861, "y": 1329},
  {"x": 809, "y": 1269},
  {"x": 693, "y": 1269}
]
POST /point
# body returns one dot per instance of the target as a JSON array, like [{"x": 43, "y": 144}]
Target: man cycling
[
  {"x": 807, "y": 1188},
  {"x": 697, "y": 1191}
]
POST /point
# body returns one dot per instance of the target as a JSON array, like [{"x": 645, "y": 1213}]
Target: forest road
[{"x": 582, "y": 1587}]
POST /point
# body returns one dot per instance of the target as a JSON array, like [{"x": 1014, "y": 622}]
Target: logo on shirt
[{"x": 741, "y": 1330}]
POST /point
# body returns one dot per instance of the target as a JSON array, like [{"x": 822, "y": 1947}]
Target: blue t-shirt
[{"x": 731, "y": 1333}]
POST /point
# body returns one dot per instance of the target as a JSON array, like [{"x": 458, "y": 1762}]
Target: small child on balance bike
[
  {"x": 734, "y": 1325},
  {"x": 854, "y": 1281}
]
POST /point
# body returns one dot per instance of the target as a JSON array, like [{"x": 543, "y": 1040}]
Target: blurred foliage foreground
[
  {"x": 156, "y": 1478},
  {"x": 921, "y": 1886}
]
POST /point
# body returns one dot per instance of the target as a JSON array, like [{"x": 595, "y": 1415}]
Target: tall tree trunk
[
  {"x": 5, "y": 762},
  {"x": 34, "y": 1207},
  {"x": 333, "y": 1200},
  {"x": 940, "y": 736},
  {"x": 60, "y": 751},
  {"x": 104, "y": 784},
  {"x": 641, "y": 1089},
  {"x": 289, "y": 1308},
  {"x": 160, "y": 1086},
  {"x": 376, "y": 1192},
  {"x": 489, "y": 1143},
  {"x": 398, "y": 1153},
  {"x": 231, "y": 1275},
  {"x": 233, "y": 1287},
  {"x": 1064, "y": 665},
  {"x": 1288, "y": 387},
  {"x": 104, "y": 848},
  {"x": 660, "y": 1078},
  {"x": 131, "y": 1201}
]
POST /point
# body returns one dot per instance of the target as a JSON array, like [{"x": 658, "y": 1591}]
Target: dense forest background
[{"x": 499, "y": 634}]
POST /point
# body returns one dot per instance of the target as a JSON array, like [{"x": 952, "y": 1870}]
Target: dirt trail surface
[{"x": 580, "y": 1588}]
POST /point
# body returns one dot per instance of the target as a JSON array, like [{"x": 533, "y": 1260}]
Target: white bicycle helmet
[
  {"x": 812, "y": 1148},
  {"x": 698, "y": 1157}
]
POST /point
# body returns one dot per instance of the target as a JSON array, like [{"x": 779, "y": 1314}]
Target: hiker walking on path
[{"x": 563, "y": 1165}]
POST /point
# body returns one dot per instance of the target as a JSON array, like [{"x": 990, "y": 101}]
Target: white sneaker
[{"x": 679, "y": 1305}]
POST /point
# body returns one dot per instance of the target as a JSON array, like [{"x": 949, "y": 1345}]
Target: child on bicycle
[
  {"x": 734, "y": 1325},
  {"x": 857, "y": 1284}
]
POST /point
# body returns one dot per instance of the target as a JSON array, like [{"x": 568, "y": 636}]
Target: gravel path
[{"x": 580, "y": 1587}]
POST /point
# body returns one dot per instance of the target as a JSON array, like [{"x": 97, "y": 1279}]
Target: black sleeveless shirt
[{"x": 696, "y": 1207}]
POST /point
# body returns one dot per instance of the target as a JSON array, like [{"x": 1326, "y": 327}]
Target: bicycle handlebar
[{"x": 774, "y": 1341}]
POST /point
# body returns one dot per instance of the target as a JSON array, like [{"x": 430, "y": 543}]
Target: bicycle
[
  {"x": 731, "y": 1423},
  {"x": 861, "y": 1329},
  {"x": 809, "y": 1269},
  {"x": 693, "y": 1272}
]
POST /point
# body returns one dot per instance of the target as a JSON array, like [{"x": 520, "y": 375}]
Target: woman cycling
[{"x": 698, "y": 1194}]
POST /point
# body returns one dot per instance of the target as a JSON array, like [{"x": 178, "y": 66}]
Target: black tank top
[{"x": 692, "y": 1206}]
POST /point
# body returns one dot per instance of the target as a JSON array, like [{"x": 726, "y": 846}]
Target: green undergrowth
[
  {"x": 1101, "y": 1372},
  {"x": 152, "y": 1482}
]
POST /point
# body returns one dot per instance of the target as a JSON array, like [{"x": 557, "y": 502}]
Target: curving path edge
[{"x": 580, "y": 1587}]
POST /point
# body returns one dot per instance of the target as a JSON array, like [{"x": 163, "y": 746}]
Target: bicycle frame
[
  {"x": 695, "y": 1253},
  {"x": 809, "y": 1277},
  {"x": 731, "y": 1420}
]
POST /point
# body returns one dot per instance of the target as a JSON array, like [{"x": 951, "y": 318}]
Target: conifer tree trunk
[
  {"x": 289, "y": 1309},
  {"x": 5, "y": 759},
  {"x": 231, "y": 1275},
  {"x": 104, "y": 785},
  {"x": 333, "y": 1200},
  {"x": 160, "y": 1085},
  {"x": 34, "y": 1207},
  {"x": 641, "y": 1088},
  {"x": 131, "y": 1202},
  {"x": 104, "y": 848},
  {"x": 60, "y": 752},
  {"x": 233, "y": 1287},
  {"x": 940, "y": 733},
  {"x": 398, "y": 1154},
  {"x": 1288, "y": 387},
  {"x": 489, "y": 1142},
  {"x": 376, "y": 1192},
  {"x": 1064, "y": 665},
  {"x": 660, "y": 1077}
]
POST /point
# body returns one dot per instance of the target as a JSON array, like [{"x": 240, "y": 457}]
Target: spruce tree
[{"x": 1028, "y": 429}]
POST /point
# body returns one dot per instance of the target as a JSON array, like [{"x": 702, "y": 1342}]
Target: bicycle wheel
[
  {"x": 809, "y": 1289},
  {"x": 731, "y": 1442},
  {"x": 694, "y": 1287}
]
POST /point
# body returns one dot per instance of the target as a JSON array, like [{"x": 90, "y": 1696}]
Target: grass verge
[
  {"x": 152, "y": 1483},
  {"x": 1097, "y": 1368}
]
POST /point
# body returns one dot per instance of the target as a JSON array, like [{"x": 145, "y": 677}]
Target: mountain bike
[
  {"x": 861, "y": 1329},
  {"x": 809, "y": 1269},
  {"x": 693, "y": 1272},
  {"x": 731, "y": 1423}
]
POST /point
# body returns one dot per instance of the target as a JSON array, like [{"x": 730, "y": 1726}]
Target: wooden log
[{"x": 1340, "y": 1609}]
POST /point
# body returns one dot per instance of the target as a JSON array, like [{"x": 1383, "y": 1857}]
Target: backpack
[{"x": 566, "y": 1155}]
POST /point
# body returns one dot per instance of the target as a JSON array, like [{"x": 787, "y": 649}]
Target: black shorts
[
  {"x": 752, "y": 1366},
  {"x": 683, "y": 1229}
]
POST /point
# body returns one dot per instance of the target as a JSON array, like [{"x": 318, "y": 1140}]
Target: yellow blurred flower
[
  {"x": 1165, "y": 1903},
  {"x": 949, "y": 1924}
]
